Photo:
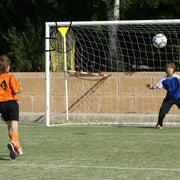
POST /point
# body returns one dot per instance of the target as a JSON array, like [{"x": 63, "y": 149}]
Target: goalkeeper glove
[{"x": 149, "y": 86}]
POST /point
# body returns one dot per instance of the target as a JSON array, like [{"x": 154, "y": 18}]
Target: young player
[
  {"x": 171, "y": 82},
  {"x": 9, "y": 108}
]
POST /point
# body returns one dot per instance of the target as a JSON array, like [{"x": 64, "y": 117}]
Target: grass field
[{"x": 92, "y": 153}]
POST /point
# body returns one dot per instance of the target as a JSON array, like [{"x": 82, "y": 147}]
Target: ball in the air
[{"x": 159, "y": 40}]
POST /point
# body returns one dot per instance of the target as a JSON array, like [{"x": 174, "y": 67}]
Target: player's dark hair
[
  {"x": 172, "y": 65},
  {"x": 4, "y": 63}
]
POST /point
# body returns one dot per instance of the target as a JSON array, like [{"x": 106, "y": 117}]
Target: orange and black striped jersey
[{"x": 8, "y": 84}]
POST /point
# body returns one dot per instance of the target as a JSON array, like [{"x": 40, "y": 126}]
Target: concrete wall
[
  {"x": 32, "y": 99},
  {"x": 127, "y": 90}
]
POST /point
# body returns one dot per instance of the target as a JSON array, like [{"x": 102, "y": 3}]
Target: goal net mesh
[{"x": 99, "y": 73}]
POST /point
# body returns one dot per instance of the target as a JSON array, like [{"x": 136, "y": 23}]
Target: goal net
[{"x": 97, "y": 72}]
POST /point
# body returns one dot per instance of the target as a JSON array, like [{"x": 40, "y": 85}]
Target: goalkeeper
[
  {"x": 9, "y": 108},
  {"x": 171, "y": 82}
]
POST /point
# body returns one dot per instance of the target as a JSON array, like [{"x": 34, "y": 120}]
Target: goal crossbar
[{"x": 95, "y": 23}]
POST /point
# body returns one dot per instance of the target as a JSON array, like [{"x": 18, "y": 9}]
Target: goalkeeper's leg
[
  {"x": 178, "y": 103},
  {"x": 165, "y": 107}
]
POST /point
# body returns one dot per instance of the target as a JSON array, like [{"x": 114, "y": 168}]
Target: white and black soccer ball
[{"x": 159, "y": 40}]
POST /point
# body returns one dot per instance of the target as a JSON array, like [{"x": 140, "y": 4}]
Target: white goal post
[{"x": 97, "y": 71}]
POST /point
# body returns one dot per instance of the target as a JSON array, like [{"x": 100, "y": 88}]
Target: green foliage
[
  {"x": 26, "y": 47},
  {"x": 150, "y": 9},
  {"x": 154, "y": 3},
  {"x": 22, "y": 22}
]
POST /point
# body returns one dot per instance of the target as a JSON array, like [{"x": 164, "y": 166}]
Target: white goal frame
[{"x": 84, "y": 23}]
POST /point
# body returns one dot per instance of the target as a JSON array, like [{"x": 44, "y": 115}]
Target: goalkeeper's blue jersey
[{"x": 171, "y": 84}]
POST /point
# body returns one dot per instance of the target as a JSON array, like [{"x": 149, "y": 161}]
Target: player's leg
[
  {"x": 11, "y": 145},
  {"x": 9, "y": 126},
  {"x": 14, "y": 136},
  {"x": 10, "y": 129},
  {"x": 164, "y": 109},
  {"x": 13, "y": 115}
]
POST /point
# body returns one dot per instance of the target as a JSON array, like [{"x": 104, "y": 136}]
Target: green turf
[{"x": 92, "y": 153}]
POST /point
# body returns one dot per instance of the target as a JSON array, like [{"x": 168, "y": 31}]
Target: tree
[
  {"x": 22, "y": 22},
  {"x": 150, "y": 9},
  {"x": 26, "y": 48}
]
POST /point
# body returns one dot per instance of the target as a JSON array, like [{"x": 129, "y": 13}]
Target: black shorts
[{"x": 9, "y": 110}]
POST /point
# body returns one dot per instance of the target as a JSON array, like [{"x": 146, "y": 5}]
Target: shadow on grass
[
  {"x": 164, "y": 127},
  {"x": 120, "y": 126},
  {"x": 4, "y": 158},
  {"x": 124, "y": 126},
  {"x": 146, "y": 127},
  {"x": 149, "y": 127}
]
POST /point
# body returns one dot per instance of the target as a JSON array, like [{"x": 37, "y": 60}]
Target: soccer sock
[
  {"x": 10, "y": 136},
  {"x": 18, "y": 146},
  {"x": 14, "y": 138}
]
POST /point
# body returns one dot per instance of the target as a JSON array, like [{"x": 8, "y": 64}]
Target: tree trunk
[{"x": 115, "y": 51}]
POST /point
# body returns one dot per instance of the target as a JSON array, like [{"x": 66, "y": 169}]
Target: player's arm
[
  {"x": 159, "y": 85},
  {"x": 18, "y": 91},
  {"x": 15, "y": 85}
]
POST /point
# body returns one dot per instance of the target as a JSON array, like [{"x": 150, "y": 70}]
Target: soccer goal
[{"x": 97, "y": 72}]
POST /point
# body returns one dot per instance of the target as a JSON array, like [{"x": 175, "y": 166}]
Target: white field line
[{"x": 92, "y": 167}]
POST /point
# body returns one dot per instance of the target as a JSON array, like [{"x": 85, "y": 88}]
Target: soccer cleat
[
  {"x": 158, "y": 127},
  {"x": 20, "y": 151},
  {"x": 12, "y": 150}
]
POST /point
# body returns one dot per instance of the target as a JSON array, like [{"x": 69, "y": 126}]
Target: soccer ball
[{"x": 159, "y": 40}]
